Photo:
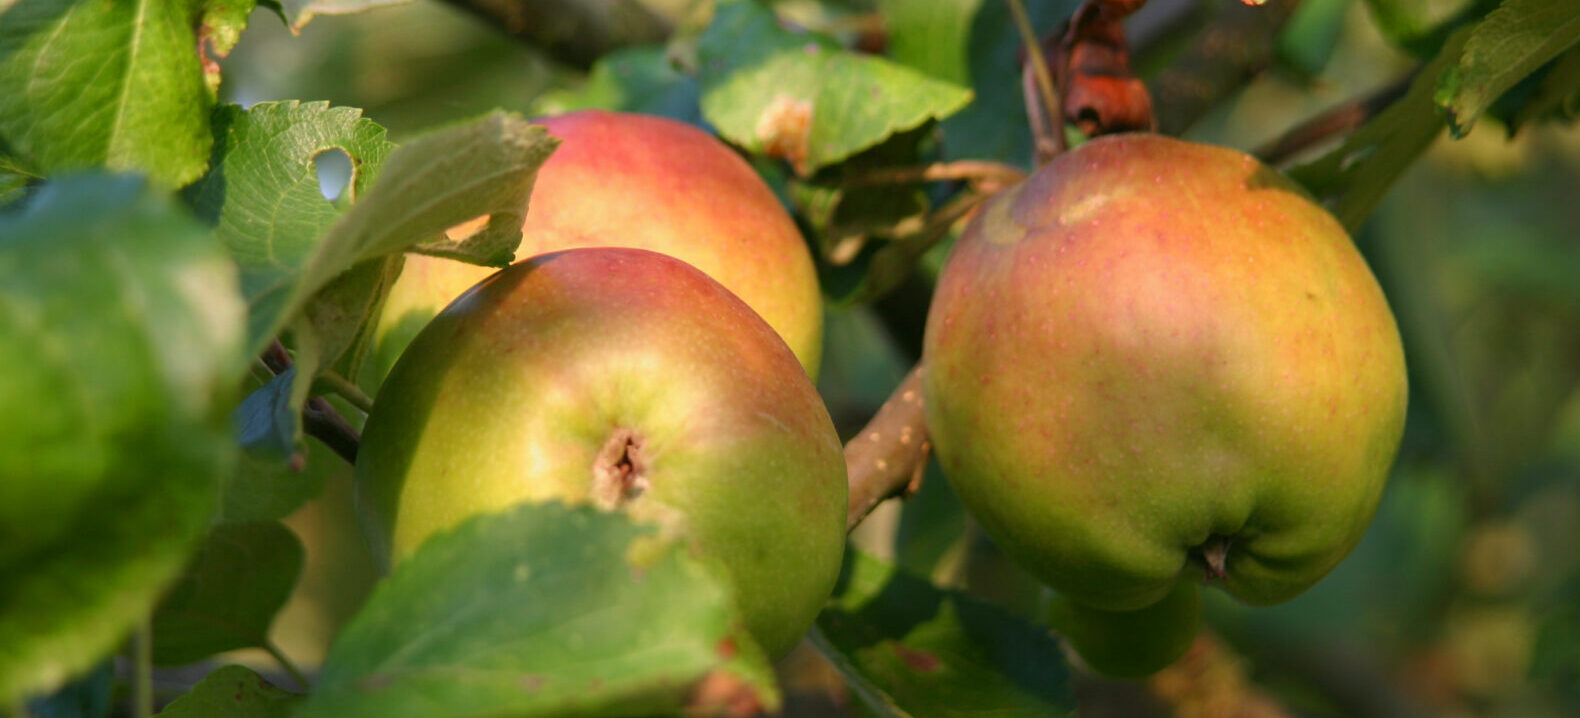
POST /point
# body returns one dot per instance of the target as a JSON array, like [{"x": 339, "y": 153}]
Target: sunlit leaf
[
  {"x": 801, "y": 97},
  {"x": 541, "y": 610}
]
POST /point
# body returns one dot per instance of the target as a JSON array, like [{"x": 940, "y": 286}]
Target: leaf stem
[
  {"x": 143, "y": 669},
  {"x": 286, "y": 664},
  {"x": 345, "y": 389},
  {"x": 1045, "y": 117},
  {"x": 322, "y": 422},
  {"x": 1341, "y": 118}
]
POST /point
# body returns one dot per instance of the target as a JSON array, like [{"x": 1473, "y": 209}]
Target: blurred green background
[{"x": 1464, "y": 598}]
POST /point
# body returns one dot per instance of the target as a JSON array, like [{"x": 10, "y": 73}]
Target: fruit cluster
[{"x": 1151, "y": 364}]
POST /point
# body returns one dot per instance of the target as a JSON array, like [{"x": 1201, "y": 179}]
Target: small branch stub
[{"x": 890, "y": 454}]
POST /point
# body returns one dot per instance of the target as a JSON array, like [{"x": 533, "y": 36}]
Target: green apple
[
  {"x": 640, "y": 181},
  {"x": 628, "y": 379},
  {"x": 1157, "y": 361}
]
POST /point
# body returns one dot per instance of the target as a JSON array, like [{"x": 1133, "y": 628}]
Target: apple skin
[
  {"x": 522, "y": 388},
  {"x": 1150, "y": 343},
  {"x": 631, "y": 180}
]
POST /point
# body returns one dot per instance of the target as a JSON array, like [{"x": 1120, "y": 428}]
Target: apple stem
[{"x": 889, "y": 456}]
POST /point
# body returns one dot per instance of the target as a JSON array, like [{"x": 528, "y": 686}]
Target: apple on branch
[
  {"x": 1157, "y": 362},
  {"x": 629, "y": 180},
  {"x": 630, "y": 380}
]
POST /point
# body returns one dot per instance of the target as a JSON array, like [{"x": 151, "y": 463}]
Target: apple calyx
[
  {"x": 619, "y": 473},
  {"x": 1213, "y": 556}
]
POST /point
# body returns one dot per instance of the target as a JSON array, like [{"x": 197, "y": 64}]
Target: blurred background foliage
[{"x": 1464, "y": 598}]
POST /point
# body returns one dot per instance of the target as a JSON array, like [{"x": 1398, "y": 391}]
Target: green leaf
[
  {"x": 338, "y": 321},
  {"x": 291, "y": 242},
  {"x": 1354, "y": 177},
  {"x": 633, "y": 79},
  {"x": 218, "y": 30},
  {"x": 1557, "y": 95},
  {"x": 483, "y": 167},
  {"x": 973, "y": 43},
  {"x": 121, "y": 344},
  {"x": 299, "y": 12},
  {"x": 801, "y": 97},
  {"x": 15, "y": 178},
  {"x": 540, "y": 610},
  {"x": 106, "y": 84},
  {"x": 266, "y": 421},
  {"x": 845, "y": 212},
  {"x": 932, "y": 532},
  {"x": 1509, "y": 44},
  {"x": 263, "y": 197},
  {"x": 233, "y": 692},
  {"x": 909, "y": 649},
  {"x": 229, "y": 593},
  {"x": 267, "y": 488}
]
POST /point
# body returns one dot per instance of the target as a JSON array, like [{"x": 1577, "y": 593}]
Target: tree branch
[
  {"x": 322, "y": 422},
  {"x": 970, "y": 170},
  {"x": 1333, "y": 121},
  {"x": 319, "y": 418},
  {"x": 889, "y": 455},
  {"x": 575, "y": 32},
  {"x": 1235, "y": 47}
]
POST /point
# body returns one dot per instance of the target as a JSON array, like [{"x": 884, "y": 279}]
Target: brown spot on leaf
[
  {"x": 919, "y": 661},
  {"x": 784, "y": 128}
]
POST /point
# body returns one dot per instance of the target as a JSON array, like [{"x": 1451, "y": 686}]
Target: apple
[
  {"x": 632, "y": 180},
  {"x": 1157, "y": 361},
  {"x": 628, "y": 379}
]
